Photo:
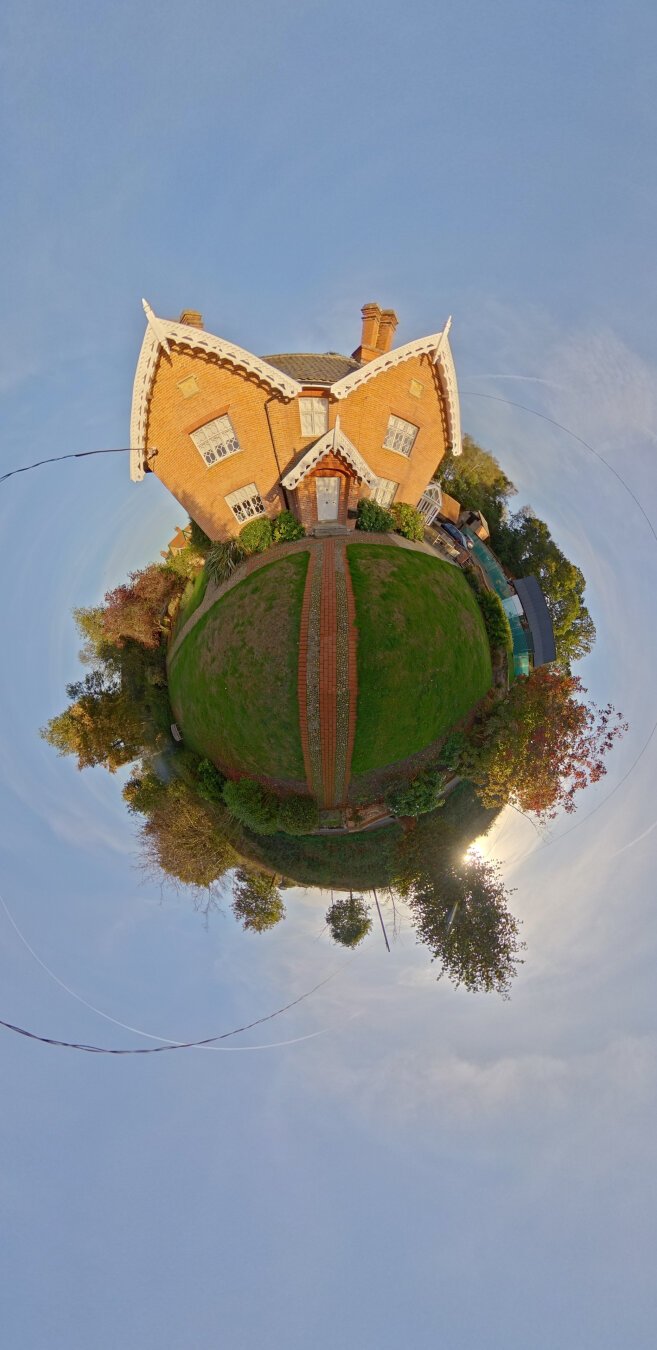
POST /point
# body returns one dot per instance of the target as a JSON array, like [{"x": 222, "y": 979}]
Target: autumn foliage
[
  {"x": 135, "y": 610},
  {"x": 538, "y": 747}
]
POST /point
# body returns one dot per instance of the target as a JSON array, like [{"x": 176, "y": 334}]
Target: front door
[{"x": 328, "y": 498}]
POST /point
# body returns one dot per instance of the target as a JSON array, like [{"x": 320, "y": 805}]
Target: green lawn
[
  {"x": 423, "y": 653},
  {"x": 233, "y": 682},
  {"x": 191, "y": 598},
  {"x": 360, "y": 860}
]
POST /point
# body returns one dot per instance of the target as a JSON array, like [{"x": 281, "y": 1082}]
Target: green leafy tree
[
  {"x": 183, "y": 839},
  {"x": 102, "y": 724},
  {"x": 348, "y": 920},
  {"x": 463, "y": 918},
  {"x": 540, "y": 745},
  {"x": 524, "y": 544},
  {"x": 257, "y": 901},
  {"x": 143, "y": 791},
  {"x": 477, "y": 481}
]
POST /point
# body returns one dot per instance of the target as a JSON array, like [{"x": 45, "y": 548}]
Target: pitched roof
[
  {"x": 537, "y": 613},
  {"x": 313, "y": 368},
  {"x": 333, "y": 441}
]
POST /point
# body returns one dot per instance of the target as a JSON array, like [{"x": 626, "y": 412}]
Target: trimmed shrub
[
  {"x": 452, "y": 749},
  {"x": 421, "y": 794},
  {"x": 297, "y": 815},
  {"x": 210, "y": 781},
  {"x": 256, "y": 536},
  {"x": 222, "y": 559},
  {"x": 287, "y": 528},
  {"x": 253, "y": 805},
  {"x": 348, "y": 921},
  {"x": 408, "y": 521},
  {"x": 373, "y": 518},
  {"x": 495, "y": 619}
]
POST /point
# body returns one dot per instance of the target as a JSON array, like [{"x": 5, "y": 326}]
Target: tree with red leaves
[
  {"x": 540, "y": 745},
  {"x": 135, "y": 610}
]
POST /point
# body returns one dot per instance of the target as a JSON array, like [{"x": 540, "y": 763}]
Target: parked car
[{"x": 454, "y": 533}]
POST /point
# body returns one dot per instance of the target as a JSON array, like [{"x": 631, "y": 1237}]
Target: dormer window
[
  {"x": 216, "y": 440},
  {"x": 314, "y": 416},
  {"x": 400, "y": 436}
]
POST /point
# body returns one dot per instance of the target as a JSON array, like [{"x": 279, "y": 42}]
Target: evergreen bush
[
  {"x": 297, "y": 815},
  {"x": 287, "y": 528},
  {"x": 408, "y": 521},
  {"x": 253, "y": 805},
  {"x": 373, "y": 518},
  {"x": 422, "y": 793},
  {"x": 256, "y": 536},
  {"x": 210, "y": 781}
]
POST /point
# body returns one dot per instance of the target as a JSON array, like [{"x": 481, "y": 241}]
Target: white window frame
[
  {"x": 313, "y": 416},
  {"x": 246, "y": 503},
  {"x": 216, "y": 440},
  {"x": 384, "y": 492},
  {"x": 400, "y": 435}
]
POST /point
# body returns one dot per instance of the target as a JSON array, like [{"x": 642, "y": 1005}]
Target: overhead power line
[{"x": 56, "y": 459}]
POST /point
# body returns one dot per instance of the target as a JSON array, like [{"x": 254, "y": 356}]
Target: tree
[
  {"x": 348, "y": 920},
  {"x": 524, "y": 544},
  {"x": 477, "y": 481},
  {"x": 463, "y": 918},
  {"x": 540, "y": 745},
  {"x": 135, "y": 610},
  {"x": 102, "y": 725},
  {"x": 257, "y": 901},
  {"x": 183, "y": 839}
]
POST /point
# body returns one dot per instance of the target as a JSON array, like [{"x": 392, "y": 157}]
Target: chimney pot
[
  {"x": 192, "y": 318},
  {"x": 387, "y": 324}
]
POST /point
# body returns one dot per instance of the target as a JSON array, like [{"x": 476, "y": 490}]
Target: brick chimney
[
  {"x": 387, "y": 325},
  {"x": 370, "y": 334},
  {"x": 192, "y": 318},
  {"x": 378, "y": 332}
]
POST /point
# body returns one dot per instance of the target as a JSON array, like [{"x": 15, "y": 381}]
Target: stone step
[{"x": 328, "y": 528}]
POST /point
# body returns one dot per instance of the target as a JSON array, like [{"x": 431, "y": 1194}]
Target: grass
[
  {"x": 233, "y": 681},
  {"x": 347, "y": 860},
  {"x": 191, "y": 598},
  {"x": 423, "y": 654}
]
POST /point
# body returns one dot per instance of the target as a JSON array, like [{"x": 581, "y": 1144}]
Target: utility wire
[
  {"x": 170, "y": 1045},
  {"x": 496, "y": 398},
  {"x": 56, "y": 459}
]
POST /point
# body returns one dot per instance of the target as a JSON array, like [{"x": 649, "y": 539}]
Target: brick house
[{"x": 234, "y": 436}]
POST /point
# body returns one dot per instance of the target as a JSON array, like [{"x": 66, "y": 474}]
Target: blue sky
[{"x": 424, "y": 1167}]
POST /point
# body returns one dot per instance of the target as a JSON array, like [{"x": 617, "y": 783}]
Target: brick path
[{"x": 327, "y": 674}]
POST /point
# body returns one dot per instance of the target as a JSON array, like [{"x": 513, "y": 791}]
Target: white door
[{"x": 328, "y": 498}]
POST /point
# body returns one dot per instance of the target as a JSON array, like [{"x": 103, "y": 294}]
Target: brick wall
[{"x": 269, "y": 432}]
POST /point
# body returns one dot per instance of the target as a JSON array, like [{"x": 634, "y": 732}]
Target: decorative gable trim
[
  {"x": 159, "y": 334},
  {"x": 333, "y": 441},
  {"x": 435, "y": 345}
]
